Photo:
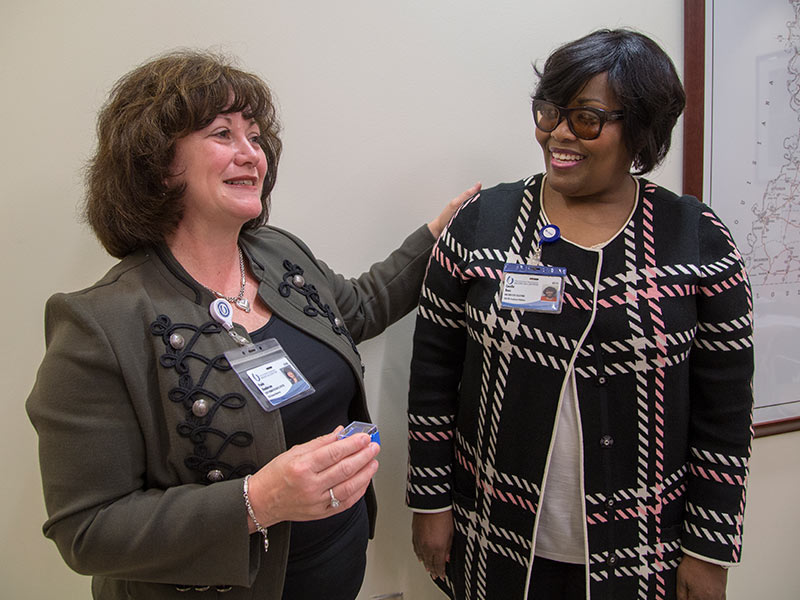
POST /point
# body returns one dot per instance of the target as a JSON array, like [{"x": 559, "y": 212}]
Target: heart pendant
[{"x": 244, "y": 304}]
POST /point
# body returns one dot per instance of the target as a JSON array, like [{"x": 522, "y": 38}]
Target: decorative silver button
[
  {"x": 183, "y": 588},
  {"x": 176, "y": 341},
  {"x": 609, "y": 503},
  {"x": 200, "y": 407},
  {"x": 299, "y": 280},
  {"x": 338, "y": 322},
  {"x": 606, "y": 441},
  {"x": 611, "y": 560},
  {"x": 224, "y": 588},
  {"x": 201, "y": 588},
  {"x": 215, "y": 475},
  {"x": 601, "y": 380}
]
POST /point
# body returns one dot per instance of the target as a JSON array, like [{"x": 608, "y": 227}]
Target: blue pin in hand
[{"x": 361, "y": 427}]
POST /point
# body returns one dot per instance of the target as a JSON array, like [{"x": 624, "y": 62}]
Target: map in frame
[{"x": 753, "y": 158}]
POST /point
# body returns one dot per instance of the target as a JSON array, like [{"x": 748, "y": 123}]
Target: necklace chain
[{"x": 239, "y": 301}]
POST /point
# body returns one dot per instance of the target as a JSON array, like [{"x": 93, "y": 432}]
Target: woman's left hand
[
  {"x": 439, "y": 223},
  {"x": 314, "y": 480},
  {"x": 432, "y": 537},
  {"x": 701, "y": 580}
]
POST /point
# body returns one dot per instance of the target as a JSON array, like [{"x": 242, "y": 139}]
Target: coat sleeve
[
  {"x": 386, "y": 292},
  {"x": 106, "y": 518},
  {"x": 721, "y": 396},
  {"x": 436, "y": 366}
]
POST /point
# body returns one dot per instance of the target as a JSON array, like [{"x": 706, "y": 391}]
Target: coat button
[
  {"x": 611, "y": 560},
  {"x": 601, "y": 380},
  {"x": 606, "y": 441},
  {"x": 609, "y": 502},
  {"x": 215, "y": 475},
  {"x": 200, "y": 407},
  {"x": 298, "y": 280},
  {"x": 176, "y": 341}
]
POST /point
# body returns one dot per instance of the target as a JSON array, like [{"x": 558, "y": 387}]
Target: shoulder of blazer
[{"x": 269, "y": 241}]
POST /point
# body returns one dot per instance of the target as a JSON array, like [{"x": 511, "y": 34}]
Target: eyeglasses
[{"x": 586, "y": 122}]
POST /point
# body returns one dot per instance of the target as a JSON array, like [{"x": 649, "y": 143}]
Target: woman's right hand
[
  {"x": 432, "y": 536},
  {"x": 440, "y": 222},
  {"x": 294, "y": 486}
]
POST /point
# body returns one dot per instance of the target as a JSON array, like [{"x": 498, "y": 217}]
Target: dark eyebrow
[
  {"x": 583, "y": 101},
  {"x": 229, "y": 120}
]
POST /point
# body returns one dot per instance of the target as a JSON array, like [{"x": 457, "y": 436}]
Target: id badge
[
  {"x": 270, "y": 375},
  {"x": 535, "y": 288}
]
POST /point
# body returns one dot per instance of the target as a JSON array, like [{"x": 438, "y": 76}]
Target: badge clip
[
  {"x": 222, "y": 312},
  {"x": 547, "y": 234}
]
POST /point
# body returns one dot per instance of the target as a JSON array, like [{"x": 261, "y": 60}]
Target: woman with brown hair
[{"x": 175, "y": 454}]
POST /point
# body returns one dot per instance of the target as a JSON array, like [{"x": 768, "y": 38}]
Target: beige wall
[{"x": 389, "y": 109}]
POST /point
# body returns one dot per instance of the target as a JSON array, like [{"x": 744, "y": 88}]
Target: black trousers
[
  {"x": 552, "y": 580},
  {"x": 334, "y": 569}
]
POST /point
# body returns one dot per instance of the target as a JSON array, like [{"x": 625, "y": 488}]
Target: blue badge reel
[{"x": 549, "y": 233}]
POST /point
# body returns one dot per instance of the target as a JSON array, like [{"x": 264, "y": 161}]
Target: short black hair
[{"x": 641, "y": 75}]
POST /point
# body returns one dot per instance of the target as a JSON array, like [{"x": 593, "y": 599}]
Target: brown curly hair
[{"x": 128, "y": 202}]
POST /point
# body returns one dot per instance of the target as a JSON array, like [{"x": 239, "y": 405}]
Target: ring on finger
[{"x": 334, "y": 501}]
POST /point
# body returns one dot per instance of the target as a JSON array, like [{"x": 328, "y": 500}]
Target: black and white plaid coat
[{"x": 658, "y": 328}]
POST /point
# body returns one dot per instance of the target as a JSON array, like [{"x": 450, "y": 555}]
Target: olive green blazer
[{"x": 143, "y": 485}]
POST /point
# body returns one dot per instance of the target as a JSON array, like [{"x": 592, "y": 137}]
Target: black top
[{"x": 327, "y": 552}]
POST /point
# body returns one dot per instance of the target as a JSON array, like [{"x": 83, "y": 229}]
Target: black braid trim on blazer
[
  {"x": 198, "y": 429},
  {"x": 293, "y": 280}
]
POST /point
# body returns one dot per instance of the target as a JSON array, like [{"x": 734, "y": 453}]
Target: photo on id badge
[
  {"x": 279, "y": 381},
  {"x": 270, "y": 375},
  {"x": 533, "y": 288}
]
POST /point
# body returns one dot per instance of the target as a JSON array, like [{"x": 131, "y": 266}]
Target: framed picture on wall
[{"x": 742, "y": 157}]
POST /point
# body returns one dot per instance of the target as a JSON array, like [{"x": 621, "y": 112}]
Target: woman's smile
[
  {"x": 223, "y": 166},
  {"x": 564, "y": 159}
]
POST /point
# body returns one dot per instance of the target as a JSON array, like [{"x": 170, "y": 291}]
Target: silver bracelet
[{"x": 259, "y": 527}]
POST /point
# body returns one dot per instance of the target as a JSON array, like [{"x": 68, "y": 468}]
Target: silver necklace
[{"x": 240, "y": 301}]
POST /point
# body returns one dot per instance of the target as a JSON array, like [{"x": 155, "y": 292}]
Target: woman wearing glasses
[{"x": 595, "y": 446}]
